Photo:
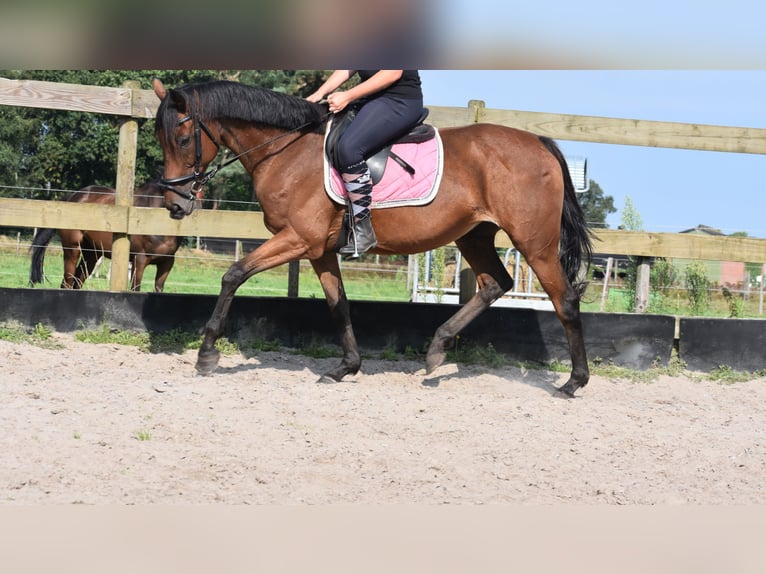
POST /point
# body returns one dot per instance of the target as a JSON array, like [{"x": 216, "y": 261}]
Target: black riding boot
[{"x": 359, "y": 186}]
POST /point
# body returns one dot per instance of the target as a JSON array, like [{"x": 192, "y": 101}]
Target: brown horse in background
[
  {"x": 495, "y": 178},
  {"x": 82, "y": 249}
]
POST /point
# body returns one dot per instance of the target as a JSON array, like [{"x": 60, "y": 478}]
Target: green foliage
[
  {"x": 434, "y": 276},
  {"x": 596, "y": 206},
  {"x": 663, "y": 275},
  {"x": 724, "y": 374},
  {"x": 318, "y": 350},
  {"x": 476, "y": 355},
  {"x": 675, "y": 367},
  {"x": 698, "y": 287},
  {"x": 631, "y": 218},
  {"x": 736, "y": 304},
  {"x": 108, "y": 335},
  {"x": 631, "y": 278},
  {"x": 40, "y": 335},
  {"x": 662, "y": 278},
  {"x": 142, "y": 435},
  {"x": 631, "y": 221}
]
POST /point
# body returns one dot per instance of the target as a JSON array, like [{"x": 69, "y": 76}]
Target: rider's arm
[{"x": 331, "y": 84}]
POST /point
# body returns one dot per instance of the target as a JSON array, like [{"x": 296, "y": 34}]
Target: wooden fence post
[
  {"x": 642, "y": 284},
  {"x": 475, "y": 111},
  {"x": 607, "y": 277},
  {"x": 293, "y": 278},
  {"x": 126, "y": 179}
]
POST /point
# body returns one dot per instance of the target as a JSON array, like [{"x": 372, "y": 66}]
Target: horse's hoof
[
  {"x": 327, "y": 379},
  {"x": 207, "y": 362},
  {"x": 569, "y": 388},
  {"x": 434, "y": 361}
]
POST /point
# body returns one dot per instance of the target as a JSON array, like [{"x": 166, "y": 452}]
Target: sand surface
[{"x": 110, "y": 424}]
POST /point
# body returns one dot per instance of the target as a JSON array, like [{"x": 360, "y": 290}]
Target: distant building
[{"x": 730, "y": 274}]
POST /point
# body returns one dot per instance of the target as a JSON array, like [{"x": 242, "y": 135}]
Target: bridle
[{"x": 200, "y": 179}]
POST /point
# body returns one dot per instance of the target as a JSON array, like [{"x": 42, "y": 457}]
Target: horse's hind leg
[
  {"x": 71, "y": 258},
  {"x": 566, "y": 302},
  {"x": 328, "y": 271},
  {"x": 87, "y": 263},
  {"x": 478, "y": 248}
]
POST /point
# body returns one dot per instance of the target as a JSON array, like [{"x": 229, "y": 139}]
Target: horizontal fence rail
[
  {"x": 134, "y": 103},
  {"x": 139, "y": 103},
  {"x": 250, "y": 225}
]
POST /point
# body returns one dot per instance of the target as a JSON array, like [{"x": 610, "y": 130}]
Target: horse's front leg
[
  {"x": 282, "y": 248},
  {"x": 328, "y": 272},
  {"x": 164, "y": 267},
  {"x": 140, "y": 261}
]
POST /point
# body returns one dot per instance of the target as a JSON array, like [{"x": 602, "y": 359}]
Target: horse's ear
[{"x": 159, "y": 89}]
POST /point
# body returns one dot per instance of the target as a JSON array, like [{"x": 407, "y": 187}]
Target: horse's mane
[{"x": 232, "y": 100}]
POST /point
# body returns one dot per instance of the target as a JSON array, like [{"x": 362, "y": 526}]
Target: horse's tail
[
  {"x": 39, "y": 244},
  {"x": 575, "y": 247}
]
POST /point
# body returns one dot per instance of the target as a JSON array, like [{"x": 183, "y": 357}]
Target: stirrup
[{"x": 361, "y": 239}]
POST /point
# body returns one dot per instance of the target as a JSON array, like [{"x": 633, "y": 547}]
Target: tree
[
  {"x": 45, "y": 153},
  {"x": 631, "y": 218},
  {"x": 596, "y": 206},
  {"x": 631, "y": 221}
]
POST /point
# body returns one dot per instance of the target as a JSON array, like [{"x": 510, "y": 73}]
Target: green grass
[
  {"x": 199, "y": 272},
  {"x": 674, "y": 304},
  {"x": 142, "y": 435},
  {"x": 40, "y": 335}
]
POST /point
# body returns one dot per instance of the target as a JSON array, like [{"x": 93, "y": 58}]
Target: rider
[{"x": 391, "y": 104}]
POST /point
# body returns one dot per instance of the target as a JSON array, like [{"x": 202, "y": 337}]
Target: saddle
[{"x": 377, "y": 161}]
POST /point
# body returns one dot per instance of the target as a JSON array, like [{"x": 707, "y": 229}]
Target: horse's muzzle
[{"x": 178, "y": 212}]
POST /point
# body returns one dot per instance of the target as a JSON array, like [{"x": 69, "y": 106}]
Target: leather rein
[{"x": 200, "y": 179}]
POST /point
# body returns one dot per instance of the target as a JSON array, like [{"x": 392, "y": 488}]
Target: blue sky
[
  {"x": 651, "y": 34},
  {"x": 672, "y": 189}
]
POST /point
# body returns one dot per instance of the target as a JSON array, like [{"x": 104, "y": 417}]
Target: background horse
[
  {"x": 82, "y": 249},
  {"x": 494, "y": 178}
]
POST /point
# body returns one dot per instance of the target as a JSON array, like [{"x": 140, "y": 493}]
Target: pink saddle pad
[{"x": 398, "y": 188}]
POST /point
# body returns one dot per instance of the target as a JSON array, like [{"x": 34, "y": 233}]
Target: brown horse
[
  {"x": 82, "y": 249},
  {"x": 494, "y": 178}
]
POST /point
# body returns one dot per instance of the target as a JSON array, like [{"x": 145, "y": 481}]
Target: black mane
[{"x": 232, "y": 100}]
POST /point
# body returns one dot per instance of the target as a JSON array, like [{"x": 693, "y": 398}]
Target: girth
[{"x": 377, "y": 161}]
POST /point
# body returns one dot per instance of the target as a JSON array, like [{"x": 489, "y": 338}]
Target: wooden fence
[{"x": 134, "y": 103}]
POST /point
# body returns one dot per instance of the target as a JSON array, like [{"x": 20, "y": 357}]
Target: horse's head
[{"x": 188, "y": 147}]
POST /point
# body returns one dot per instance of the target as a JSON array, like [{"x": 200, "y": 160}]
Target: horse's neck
[{"x": 266, "y": 149}]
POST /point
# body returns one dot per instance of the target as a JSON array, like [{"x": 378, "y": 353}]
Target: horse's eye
[{"x": 184, "y": 141}]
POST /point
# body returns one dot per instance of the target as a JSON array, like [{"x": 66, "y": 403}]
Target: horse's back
[
  {"x": 92, "y": 194},
  {"x": 492, "y": 158},
  {"x": 481, "y": 138}
]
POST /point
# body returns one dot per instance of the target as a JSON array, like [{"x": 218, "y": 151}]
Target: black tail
[
  {"x": 575, "y": 247},
  {"x": 39, "y": 244}
]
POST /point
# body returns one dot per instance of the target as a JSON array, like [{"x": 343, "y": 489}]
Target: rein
[{"x": 199, "y": 180}]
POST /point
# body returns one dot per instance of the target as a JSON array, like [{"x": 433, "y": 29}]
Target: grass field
[{"x": 200, "y": 272}]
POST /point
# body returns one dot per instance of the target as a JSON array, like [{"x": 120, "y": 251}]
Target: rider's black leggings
[{"x": 377, "y": 123}]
